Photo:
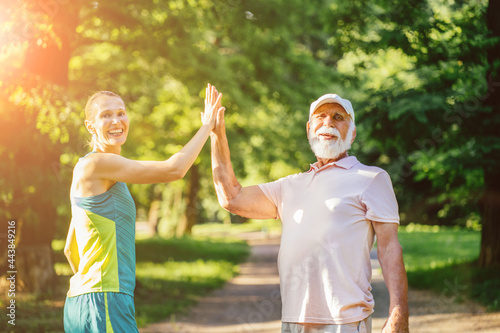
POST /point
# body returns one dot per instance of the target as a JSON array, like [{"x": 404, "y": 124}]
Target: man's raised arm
[{"x": 245, "y": 201}]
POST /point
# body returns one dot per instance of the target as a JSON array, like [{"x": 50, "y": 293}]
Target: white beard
[{"x": 326, "y": 148}]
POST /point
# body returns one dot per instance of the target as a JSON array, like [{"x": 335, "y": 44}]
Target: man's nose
[
  {"x": 328, "y": 121},
  {"x": 114, "y": 120}
]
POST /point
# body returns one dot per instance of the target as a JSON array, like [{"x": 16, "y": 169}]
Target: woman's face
[{"x": 110, "y": 122}]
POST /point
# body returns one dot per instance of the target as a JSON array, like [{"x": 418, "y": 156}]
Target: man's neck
[{"x": 325, "y": 161}]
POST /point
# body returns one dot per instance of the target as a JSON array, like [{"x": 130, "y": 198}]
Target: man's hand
[
  {"x": 220, "y": 126},
  {"x": 248, "y": 201},
  {"x": 212, "y": 106},
  {"x": 397, "y": 322}
]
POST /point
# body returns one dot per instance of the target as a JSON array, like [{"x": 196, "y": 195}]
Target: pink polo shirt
[{"x": 324, "y": 259}]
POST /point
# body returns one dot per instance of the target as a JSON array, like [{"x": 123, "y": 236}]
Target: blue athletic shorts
[{"x": 100, "y": 313}]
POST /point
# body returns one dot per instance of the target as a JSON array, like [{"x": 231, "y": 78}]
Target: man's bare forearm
[
  {"x": 249, "y": 201},
  {"x": 226, "y": 184},
  {"x": 391, "y": 261}
]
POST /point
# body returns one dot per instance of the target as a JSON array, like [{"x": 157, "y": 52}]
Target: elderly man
[{"x": 330, "y": 216}]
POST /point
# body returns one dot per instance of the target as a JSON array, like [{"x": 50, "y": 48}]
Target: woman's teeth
[{"x": 116, "y": 131}]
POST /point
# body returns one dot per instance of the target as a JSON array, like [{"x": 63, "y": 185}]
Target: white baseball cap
[{"x": 332, "y": 98}]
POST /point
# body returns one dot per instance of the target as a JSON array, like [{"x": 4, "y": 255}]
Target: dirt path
[{"x": 250, "y": 302}]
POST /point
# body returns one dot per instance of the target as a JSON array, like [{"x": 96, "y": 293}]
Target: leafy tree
[
  {"x": 488, "y": 144},
  {"x": 36, "y": 122}
]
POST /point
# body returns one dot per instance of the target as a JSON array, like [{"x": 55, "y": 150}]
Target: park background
[{"x": 423, "y": 76}]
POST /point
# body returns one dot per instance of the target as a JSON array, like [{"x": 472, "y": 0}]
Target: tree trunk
[
  {"x": 35, "y": 268},
  {"x": 154, "y": 216},
  {"x": 31, "y": 264},
  {"x": 490, "y": 202},
  {"x": 490, "y": 213},
  {"x": 191, "y": 215}
]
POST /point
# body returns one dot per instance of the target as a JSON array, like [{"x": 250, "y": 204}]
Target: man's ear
[
  {"x": 307, "y": 128},
  {"x": 90, "y": 126},
  {"x": 353, "y": 135}
]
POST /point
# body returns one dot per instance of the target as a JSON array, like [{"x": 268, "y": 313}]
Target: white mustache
[{"x": 328, "y": 130}]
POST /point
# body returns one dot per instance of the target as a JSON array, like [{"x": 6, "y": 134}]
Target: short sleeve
[
  {"x": 380, "y": 200},
  {"x": 273, "y": 192}
]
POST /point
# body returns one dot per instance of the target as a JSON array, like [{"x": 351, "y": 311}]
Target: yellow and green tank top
[{"x": 105, "y": 232}]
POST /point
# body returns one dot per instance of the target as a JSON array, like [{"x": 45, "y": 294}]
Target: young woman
[{"x": 100, "y": 245}]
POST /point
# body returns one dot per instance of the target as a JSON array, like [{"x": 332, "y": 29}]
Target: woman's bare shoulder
[{"x": 86, "y": 178}]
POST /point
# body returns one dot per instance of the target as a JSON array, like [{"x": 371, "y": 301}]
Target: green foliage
[{"x": 33, "y": 140}]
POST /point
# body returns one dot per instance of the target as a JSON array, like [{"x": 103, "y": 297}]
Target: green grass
[
  {"x": 444, "y": 259},
  {"x": 429, "y": 247},
  {"x": 171, "y": 275},
  {"x": 36, "y": 312}
]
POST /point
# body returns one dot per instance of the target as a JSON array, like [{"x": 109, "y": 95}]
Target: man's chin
[
  {"x": 327, "y": 150},
  {"x": 329, "y": 155}
]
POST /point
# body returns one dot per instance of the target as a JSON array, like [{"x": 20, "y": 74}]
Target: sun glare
[
  {"x": 11, "y": 44},
  {"x": 2, "y": 26},
  {"x": 5, "y": 29}
]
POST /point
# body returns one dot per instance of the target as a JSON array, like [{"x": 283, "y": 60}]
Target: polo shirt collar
[{"x": 345, "y": 163}]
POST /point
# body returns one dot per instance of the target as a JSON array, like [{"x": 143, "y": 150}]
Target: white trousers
[{"x": 363, "y": 326}]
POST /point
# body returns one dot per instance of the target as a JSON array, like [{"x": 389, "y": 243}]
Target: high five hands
[{"x": 212, "y": 106}]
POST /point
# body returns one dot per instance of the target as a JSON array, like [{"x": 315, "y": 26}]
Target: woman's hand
[{"x": 212, "y": 106}]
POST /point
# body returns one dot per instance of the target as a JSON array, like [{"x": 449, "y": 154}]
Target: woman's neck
[{"x": 107, "y": 149}]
